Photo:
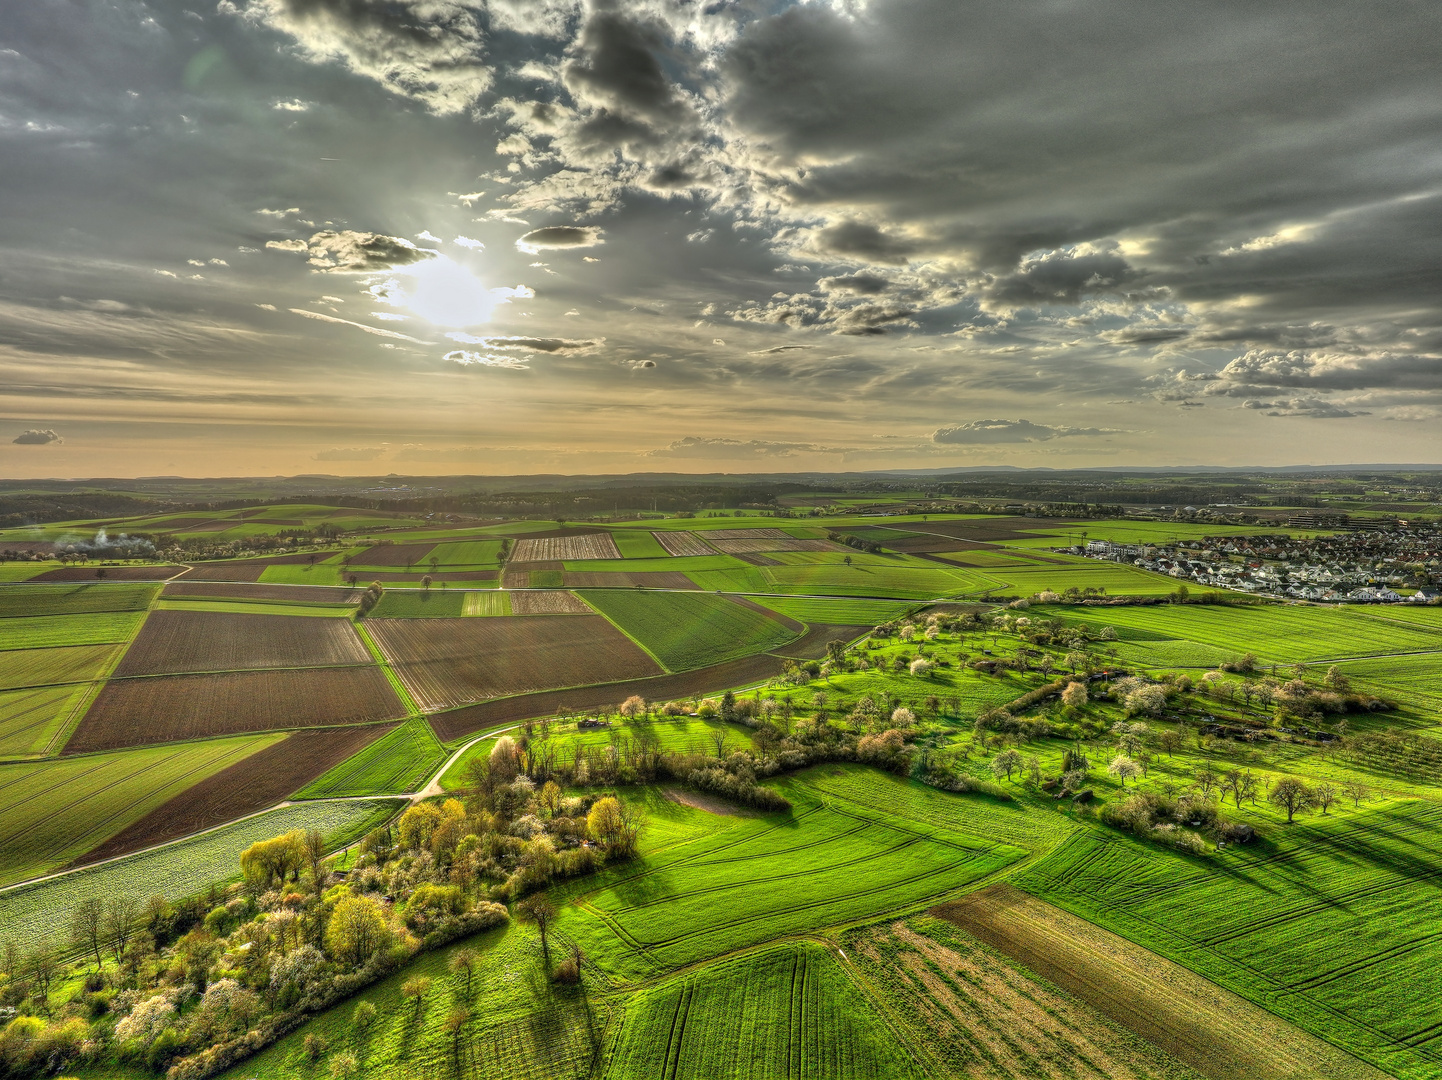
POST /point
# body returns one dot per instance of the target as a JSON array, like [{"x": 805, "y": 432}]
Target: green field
[
  {"x": 638, "y": 544},
  {"x": 467, "y": 555},
  {"x": 784, "y": 1013},
  {"x": 74, "y": 599},
  {"x": 1330, "y": 923},
  {"x": 486, "y": 602},
  {"x": 260, "y": 607},
  {"x": 828, "y": 862},
  {"x": 43, "y": 667},
  {"x": 48, "y": 631},
  {"x": 53, "y": 811},
  {"x": 688, "y": 630},
  {"x": 40, "y": 912},
  {"x": 841, "y": 612},
  {"x": 920, "y": 581},
  {"x": 31, "y": 719},
  {"x": 1276, "y": 633},
  {"x": 399, "y": 761}
]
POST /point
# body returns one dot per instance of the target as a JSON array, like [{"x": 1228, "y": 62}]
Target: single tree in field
[
  {"x": 42, "y": 966},
  {"x": 719, "y": 738},
  {"x": 550, "y": 797},
  {"x": 1324, "y": 795},
  {"x": 463, "y": 963},
  {"x": 1124, "y": 768},
  {"x": 426, "y": 583},
  {"x": 542, "y": 912},
  {"x": 416, "y": 988},
  {"x": 1231, "y": 785},
  {"x": 121, "y": 915},
  {"x": 1247, "y": 787},
  {"x": 87, "y": 926},
  {"x": 1005, "y": 763},
  {"x": 1074, "y": 660},
  {"x": 455, "y": 1027},
  {"x": 1170, "y": 741},
  {"x": 1291, "y": 795},
  {"x": 1207, "y": 781},
  {"x": 1357, "y": 791}
]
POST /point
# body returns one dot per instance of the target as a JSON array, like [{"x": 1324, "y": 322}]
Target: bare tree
[
  {"x": 719, "y": 739},
  {"x": 1291, "y": 795},
  {"x": 542, "y": 912},
  {"x": 1008, "y": 761},
  {"x": 1357, "y": 791},
  {"x": 463, "y": 962},
  {"x": 42, "y": 966},
  {"x": 1170, "y": 741},
  {"x": 1207, "y": 781},
  {"x": 87, "y": 926},
  {"x": 120, "y": 918},
  {"x": 1324, "y": 795}
]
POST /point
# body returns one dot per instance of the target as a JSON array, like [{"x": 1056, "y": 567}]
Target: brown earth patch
[
  {"x": 137, "y": 712},
  {"x": 230, "y": 590},
  {"x": 683, "y": 543},
  {"x": 414, "y": 577},
  {"x": 785, "y": 620},
  {"x": 448, "y": 662},
  {"x": 1221, "y": 1035},
  {"x": 548, "y": 602},
  {"x": 492, "y": 714},
  {"x": 812, "y": 644},
  {"x": 758, "y": 560},
  {"x": 592, "y": 545},
  {"x": 255, "y": 783},
  {"x": 175, "y": 642},
  {"x": 746, "y": 534},
  {"x": 710, "y": 803},
  {"x": 112, "y": 573},
  {"x": 245, "y": 569},
  {"x": 986, "y": 1019},
  {"x": 393, "y": 555}
]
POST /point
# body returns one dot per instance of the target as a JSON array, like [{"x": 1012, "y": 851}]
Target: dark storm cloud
[
  {"x": 1007, "y": 431},
  {"x": 858, "y": 284},
  {"x": 559, "y": 237},
  {"x": 864, "y": 241},
  {"x": 617, "y": 68}
]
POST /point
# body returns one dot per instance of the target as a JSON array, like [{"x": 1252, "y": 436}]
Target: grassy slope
[
  {"x": 395, "y": 763},
  {"x": 35, "y": 913},
  {"x": 52, "y": 811},
  {"x": 1253, "y": 919},
  {"x": 688, "y": 630}
]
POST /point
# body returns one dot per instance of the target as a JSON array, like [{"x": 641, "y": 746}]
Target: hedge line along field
[
  {"x": 785, "y": 1013},
  {"x": 1276, "y": 633},
  {"x": 397, "y": 762},
  {"x": 552, "y": 548},
  {"x": 74, "y": 599},
  {"x": 823, "y": 864},
  {"x": 52, "y": 811},
  {"x": 31, "y": 719},
  {"x": 689, "y": 630},
  {"x": 445, "y": 663},
  {"x": 40, "y": 912},
  {"x": 175, "y": 642},
  {"x": 1331, "y": 923},
  {"x": 133, "y": 712},
  {"x": 47, "y": 667},
  {"x": 49, "y": 631},
  {"x": 518, "y": 1027}
]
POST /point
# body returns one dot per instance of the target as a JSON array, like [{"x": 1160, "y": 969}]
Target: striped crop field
[
  {"x": 823, "y": 864},
  {"x": 486, "y": 602},
  {"x": 398, "y": 762},
  {"x": 689, "y": 630},
  {"x": 841, "y": 612},
  {"x": 74, "y": 599},
  {"x": 784, "y": 1013},
  {"x": 30, "y": 719},
  {"x": 50, "y": 631},
  {"x": 53, "y": 811},
  {"x": 1332, "y": 924}
]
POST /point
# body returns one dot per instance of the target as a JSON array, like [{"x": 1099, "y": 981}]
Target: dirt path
[{"x": 1221, "y": 1035}]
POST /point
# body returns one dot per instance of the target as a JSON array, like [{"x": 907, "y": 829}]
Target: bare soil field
[
  {"x": 753, "y": 546},
  {"x": 613, "y": 579},
  {"x": 744, "y": 671},
  {"x": 134, "y": 712},
  {"x": 785, "y": 620},
  {"x": 448, "y": 662},
  {"x": 258, "y": 782},
  {"x": 111, "y": 573},
  {"x": 394, "y": 555},
  {"x": 758, "y": 560},
  {"x": 583, "y": 546},
  {"x": 414, "y": 577},
  {"x": 548, "y": 602},
  {"x": 1221, "y": 1035},
  {"x": 173, "y": 642},
  {"x": 812, "y": 644},
  {"x": 516, "y": 579},
  {"x": 746, "y": 534},
  {"x": 228, "y": 590},
  {"x": 709, "y": 803},
  {"x": 683, "y": 543},
  {"x": 988, "y": 1020}
]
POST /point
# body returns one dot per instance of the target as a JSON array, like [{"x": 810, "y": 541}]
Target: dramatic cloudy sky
[{"x": 444, "y": 236}]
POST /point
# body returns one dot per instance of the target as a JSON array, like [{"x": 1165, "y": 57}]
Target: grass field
[
  {"x": 420, "y": 604},
  {"x": 31, "y": 719},
  {"x": 487, "y": 602},
  {"x": 689, "y": 630},
  {"x": 638, "y": 544},
  {"x": 398, "y": 762},
  {"x": 1252, "y": 919},
  {"x": 827, "y": 863},
  {"x": 257, "y": 607},
  {"x": 784, "y": 1013},
  {"x": 49, "y": 631},
  {"x": 471, "y": 554},
  {"x": 1276, "y": 633},
  {"x": 836, "y": 612},
  {"x": 44, "y": 667},
  {"x": 53, "y": 811},
  {"x": 40, "y": 912},
  {"x": 74, "y": 599}
]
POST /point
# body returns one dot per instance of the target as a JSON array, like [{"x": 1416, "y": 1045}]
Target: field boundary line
[{"x": 385, "y": 665}]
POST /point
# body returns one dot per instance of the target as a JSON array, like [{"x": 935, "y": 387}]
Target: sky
[{"x": 261, "y": 237}]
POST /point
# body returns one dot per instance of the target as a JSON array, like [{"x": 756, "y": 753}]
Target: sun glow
[{"x": 447, "y": 294}]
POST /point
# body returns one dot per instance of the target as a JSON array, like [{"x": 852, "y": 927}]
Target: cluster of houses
[{"x": 1394, "y": 566}]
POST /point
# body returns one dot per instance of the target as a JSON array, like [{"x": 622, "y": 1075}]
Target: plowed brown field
[
  {"x": 626, "y": 579},
  {"x": 448, "y": 662},
  {"x": 584, "y": 546},
  {"x": 229, "y": 590},
  {"x": 134, "y": 712},
  {"x": 172, "y": 642},
  {"x": 548, "y": 602},
  {"x": 112, "y": 573},
  {"x": 394, "y": 555},
  {"x": 683, "y": 543}
]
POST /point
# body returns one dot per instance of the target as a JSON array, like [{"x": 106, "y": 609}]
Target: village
[{"x": 1400, "y": 564}]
